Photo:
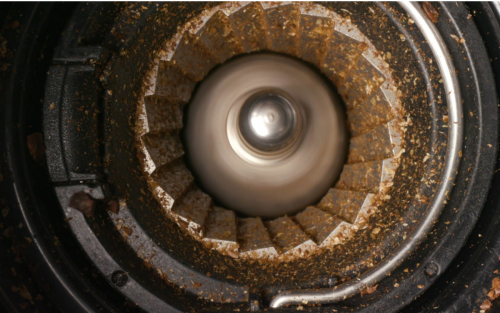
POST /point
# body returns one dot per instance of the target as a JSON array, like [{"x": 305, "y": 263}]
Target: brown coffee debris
[
  {"x": 36, "y": 147},
  {"x": 113, "y": 206},
  {"x": 82, "y": 202},
  {"x": 458, "y": 40},
  {"x": 485, "y": 305},
  {"x": 495, "y": 289},
  {"x": 369, "y": 290},
  {"x": 431, "y": 11},
  {"x": 127, "y": 231}
]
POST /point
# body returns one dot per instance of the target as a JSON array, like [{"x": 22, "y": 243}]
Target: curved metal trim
[
  {"x": 495, "y": 6},
  {"x": 376, "y": 274}
]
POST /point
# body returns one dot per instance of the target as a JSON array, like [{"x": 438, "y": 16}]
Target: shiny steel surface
[
  {"x": 268, "y": 120},
  {"x": 455, "y": 137},
  {"x": 265, "y": 135}
]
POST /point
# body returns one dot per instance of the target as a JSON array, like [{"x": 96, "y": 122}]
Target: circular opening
[
  {"x": 265, "y": 135},
  {"x": 300, "y": 175}
]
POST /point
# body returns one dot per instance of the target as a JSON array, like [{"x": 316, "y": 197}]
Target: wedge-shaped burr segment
[
  {"x": 362, "y": 81},
  {"x": 289, "y": 237},
  {"x": 314, "y": 35},
  {"x": 192, "y": 210},
  {"x": 389, "y": 168},
  {"x": 193, "y": 57},
  {"x": 369, "y": 114},
  {"x": 218, "y": 35},
  {"x": 173, "y": 84},
  {"x": 162, "y": 115},
  {"x": 342, "y": 54},
  {"x": 396, "y": 132},
  {"x": 221, "y": 231},
  {"x": 174, "y": 179},
  {"x": 345, "y": 204},
  {"x": 254, "y": 239},
  {"x": 250, "y": 25},
  {"x": 343, "y": 231},
  {"x": 317, "y": 224},
  {"x": 163, "y": 147},
  {"x": 284, "y": 26},
  {"x": 361, "y": 176},
  {"x": 371, "y": 146}
]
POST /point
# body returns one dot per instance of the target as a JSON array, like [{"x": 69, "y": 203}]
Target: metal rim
[{"x": 455, "y": 136}]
